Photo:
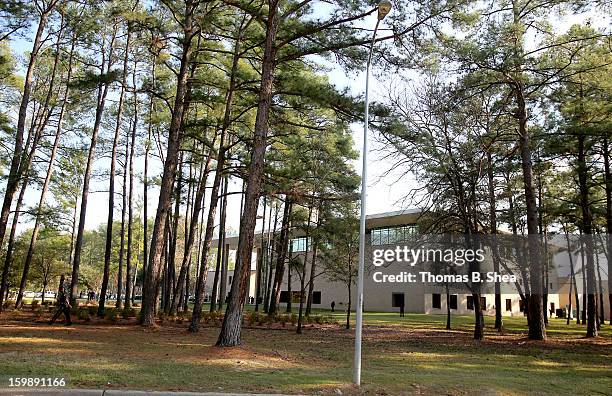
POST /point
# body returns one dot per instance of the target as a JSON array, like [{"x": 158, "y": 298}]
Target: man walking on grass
[{"x": 63, "y": 305}]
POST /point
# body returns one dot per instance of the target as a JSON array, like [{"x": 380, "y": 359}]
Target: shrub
[
  {"x": 253, "y": 318},
  {"x": 283, "y": 319},
  {"x": 92, "y": 310},
  {"x": 162, "y": 317},
  {"x": 39, "y": 311},
  {"x": 128, "y": 313},
  {"x": 294, "y": 319},
  {"x": 84, "y": 315},
  {"x": 111, "y": 315},
  {"x": 35, "y": 304},
  {"x": 217, "y": 317}
]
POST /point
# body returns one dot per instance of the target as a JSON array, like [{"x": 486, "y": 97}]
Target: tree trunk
[
  {"x": 289, "y": 280},
  {"x": 111, "y": 183},
  {"x": 24, "y": 170},
  {"x": 608, "y": 189},
  {"x": 164, "y": 205},
  {"x": 214, "y": 198},
  {"x": 281, "y": 255},
  {"x": 172, "y": 290},
  {"x": 587, "y": 232},
  {"x": 537, "y": 329},
  {"x": 495, "y": 253},
  {"x": 145, "y": 182},
  {"x": 128, "y": 262},
  {"x": 214, "y": 303},
  {"x": 34, "y": 137},
  {"x": 270, "y": 259},
  {"x": 313, "y": 267},
  {"x": 225, "y": 250},
  {"x": 583, "y": 313},
  {"x": 230, "y": 331},
  {"x": 599, "y": 288},
  {"x": 348, "y": 304},
  {"x": 101, "y": 100},
  {"x": 199, "y": 198},
  {"x": 260, "y": 251},
  {"x": 303, "y": 275},
  {"x": 14, "y": 175},
  {"x": 50, "y": 167},
  {"x": 572, "y": 278},
  {"x": 119, "y": 303},
  {"x": 210, "y": 225}
]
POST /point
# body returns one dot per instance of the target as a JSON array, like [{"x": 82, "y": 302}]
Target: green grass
[{"x": 407, "y": 355}]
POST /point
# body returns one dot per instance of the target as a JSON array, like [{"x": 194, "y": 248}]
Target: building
[{"x": 388, "y": 230}]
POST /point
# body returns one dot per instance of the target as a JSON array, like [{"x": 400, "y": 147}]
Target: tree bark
[
  {"x": 14, "y": 175},
  {"x": 303, "y": 275},
  {"x": 537, "y": 329},
  {"x": 128, "y": 263},
  {"x": 608, "y": 190},
  {"x": 220, "y": 246},
  {"x": 199, "y": 197},
  {"x": 101, "y": 100},
  {"x": 260, "y": 250},
  {"x": 225, "y": 250},
  {"x": 348, "y": 304},
  {"x": 111, "y": 183},
  {"x": 214, "y": 195},
  {"x": 281, "y": 256},
  {"x": 124, "y": 197},
  {"x": 165, "y": 195},
  {"x": 587, "y": 231},
  {"x": 270, "y": 259},
  {"x": 230, "y": 330},
  {"x": 36, "y": 131},
  {"x": 495, "y": 253}
]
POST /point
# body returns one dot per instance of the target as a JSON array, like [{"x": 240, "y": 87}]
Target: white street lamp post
[{"x": 383, "y": 9}]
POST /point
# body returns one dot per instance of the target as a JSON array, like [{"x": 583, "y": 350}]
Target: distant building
[{"x": 390, "y": 229}]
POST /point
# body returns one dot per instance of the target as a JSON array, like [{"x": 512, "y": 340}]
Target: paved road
[{"x": 109, "y": 392}]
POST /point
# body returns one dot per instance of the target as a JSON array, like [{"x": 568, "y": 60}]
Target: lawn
[{"x": 411, "y": 355}]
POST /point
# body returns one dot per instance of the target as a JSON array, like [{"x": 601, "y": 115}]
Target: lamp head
[{"x": 383, "y": 9}]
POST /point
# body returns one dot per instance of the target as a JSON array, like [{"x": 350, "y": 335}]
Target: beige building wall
[
  {"x": 379, "y": 296},
  {"x": 564, "y": 295}
]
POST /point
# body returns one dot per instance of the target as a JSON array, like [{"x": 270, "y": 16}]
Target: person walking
[{"x": 63, "y": 305}]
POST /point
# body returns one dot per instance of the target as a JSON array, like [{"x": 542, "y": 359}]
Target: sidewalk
[{"x": 111, "y": 392}]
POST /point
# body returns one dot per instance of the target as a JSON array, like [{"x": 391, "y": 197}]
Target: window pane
[{"x": 375, "y": 237}]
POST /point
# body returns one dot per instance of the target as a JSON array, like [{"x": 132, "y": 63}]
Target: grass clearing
[{"x": 411, "y": 355}]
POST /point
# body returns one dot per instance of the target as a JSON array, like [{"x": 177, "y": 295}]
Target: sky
[{"x": 385, "y": 191}]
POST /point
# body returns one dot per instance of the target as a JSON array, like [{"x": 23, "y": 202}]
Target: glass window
[
  {"x": 397, "y": 299},
  {"x": 435, "y": 301},
  {"x": 470, "y": 302},
  {"x": 300, "y": 244},
  {"x": 453, "y": 301},
  {"x": 392, "y": 235}
]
